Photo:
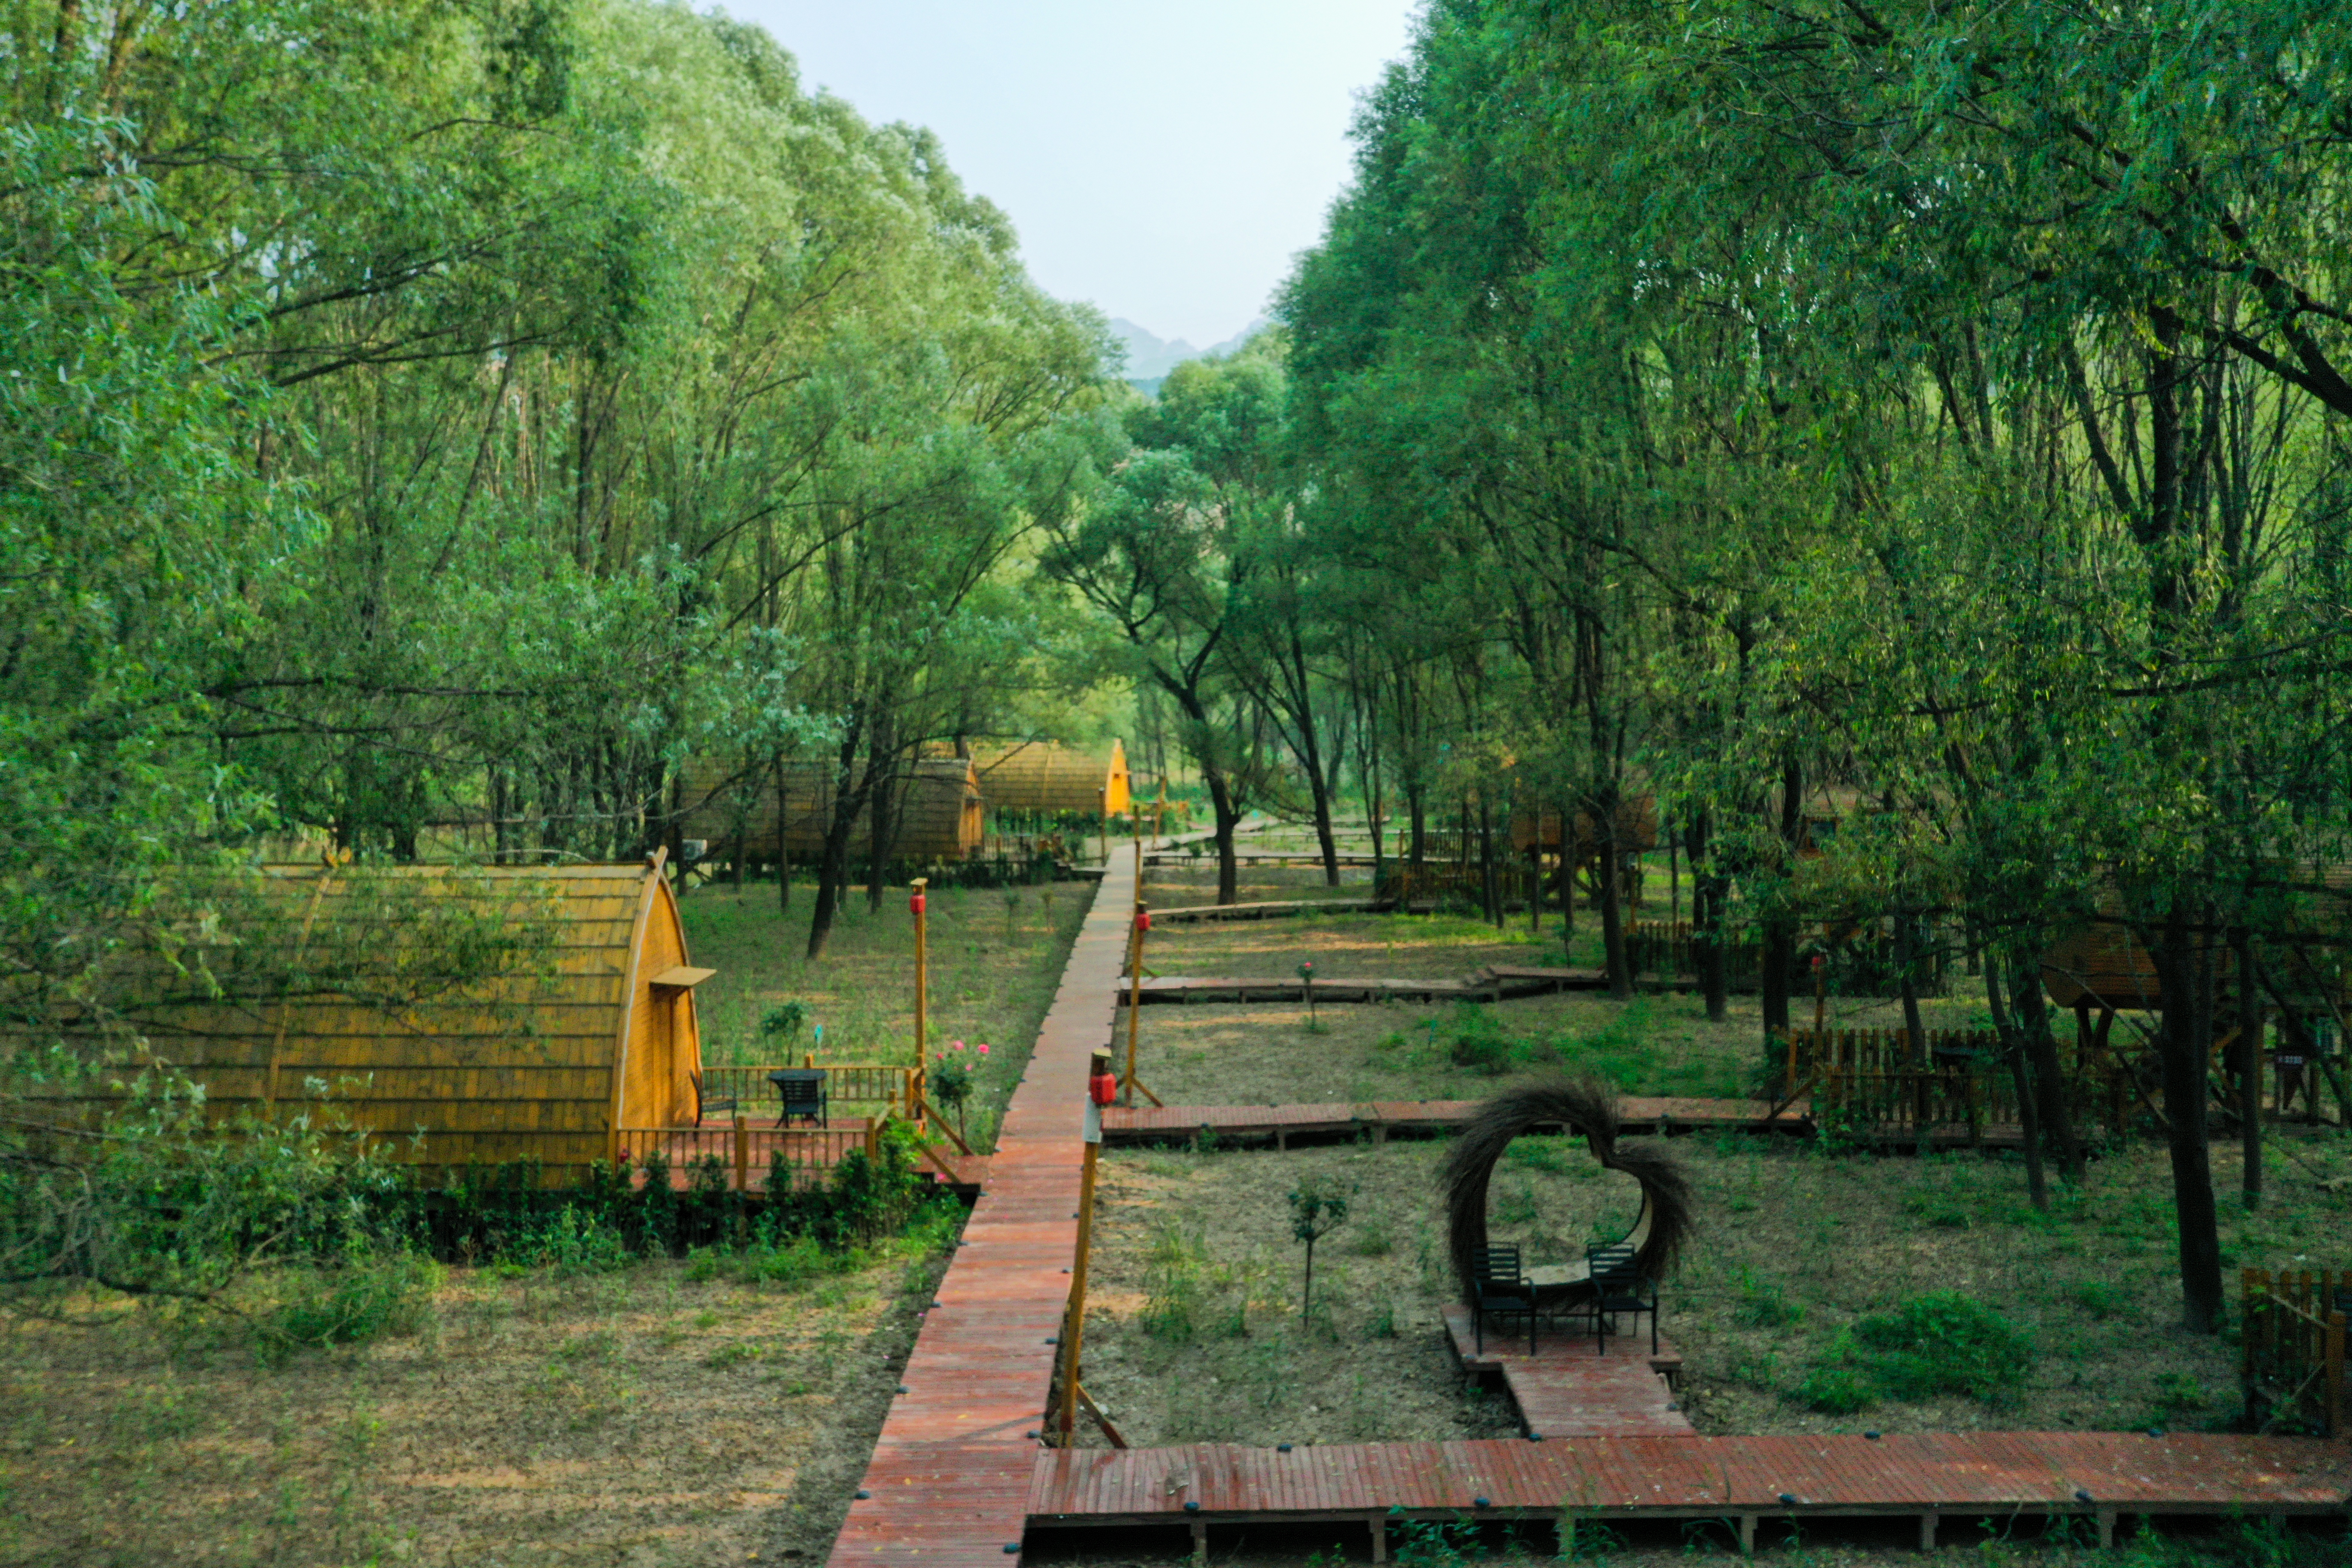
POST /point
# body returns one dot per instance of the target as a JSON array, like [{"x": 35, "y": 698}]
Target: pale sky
[{"x": 1164, "y": 162}]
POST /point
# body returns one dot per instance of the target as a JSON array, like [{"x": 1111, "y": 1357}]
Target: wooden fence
[
  {"x": 1876, "y": 1081},
  {"x": 2294, "y": 1369},
  {"x": 1514, "y": 883}
]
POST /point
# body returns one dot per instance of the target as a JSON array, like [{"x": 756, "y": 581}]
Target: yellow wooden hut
[
  {"x": 1042, "y": 775},
  {"x": 327, "y": 981},
  {"x": 935, "y": 810}
]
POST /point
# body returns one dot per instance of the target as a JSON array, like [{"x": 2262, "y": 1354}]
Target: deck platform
[
  {"x": 1571, "y": 1388},
  {"x": 1280, "y": 1123},
  {"x": 1492, "y": 985},
  {"x": 1967, "y": 1475}
]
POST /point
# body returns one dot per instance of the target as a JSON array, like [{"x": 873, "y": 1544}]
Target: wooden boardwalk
[
  {"x": 1967, "y": 1475},
  {"x": 1569, "y": 1387},
  {"x": 949, "y": 1480},
  {"x": 1164, "y": 1123},
  {"x": 1498, "y": 984}
]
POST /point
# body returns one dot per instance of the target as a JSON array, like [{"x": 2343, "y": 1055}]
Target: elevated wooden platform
[
  {"x": 1570, "y": 1387},
  {"x": 949, "y": 1484},
  {"x": 1279, "y": 1123},
  {"x": 1740, "y": 1480},
  {"x": 1490, "y": 984},
  {"x": 1272, "y": 910}
]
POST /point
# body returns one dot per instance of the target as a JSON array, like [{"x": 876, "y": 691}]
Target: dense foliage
[{"x": 1935, "y": 409}]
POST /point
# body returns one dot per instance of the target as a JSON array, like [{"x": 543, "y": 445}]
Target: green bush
[
  {"x": 1835, "y": 1391},
  {"x": 1477, "y": 1042},
  {"x": 1764, "y": 1303},
  {"x": 366, "y": 1294},
  {"x": 1944, "y": 1342},
  {"x": 1939, "y": 1343}
]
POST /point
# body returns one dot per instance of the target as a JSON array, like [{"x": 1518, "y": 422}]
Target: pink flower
[
  {"x": 983, "y": 1051},
  {"x": 955, "y": 1045}
]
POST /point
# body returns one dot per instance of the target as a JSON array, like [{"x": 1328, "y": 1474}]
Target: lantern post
[
  {"x": 1100, "y": 1087},
  {"x": 915, "y": 905},
  {"x": 1134, "y": 995}
]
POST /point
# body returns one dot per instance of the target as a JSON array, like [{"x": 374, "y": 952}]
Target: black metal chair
[
  {"x": 707, "y": 1106},
  {"x": 1500, "y": 1287},
  {"x": 803, "y": 1093},
  {"x": 1617, "y": 1285}
]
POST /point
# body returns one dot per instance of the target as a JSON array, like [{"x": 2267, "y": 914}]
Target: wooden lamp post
[
  {"x": 922, "y": 1060},
  {"x": 1134, "y": 995},
  {"x": 1100, "y": 1087}
]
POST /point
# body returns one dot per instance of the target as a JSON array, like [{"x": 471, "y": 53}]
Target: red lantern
[
  {"x": 1102, "y": 1088},
  {"x": 1143, "y": 920},
  {"x": 915, "y": 904}
]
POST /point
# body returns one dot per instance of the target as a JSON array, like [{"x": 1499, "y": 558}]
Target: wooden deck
[
  {"x": 1569, "y": 1387},
  {"x": 949, "y": 1480},
  {"x": 1971, "y": 1475},
  {"x": 1491, "y": 984},
  {"x": 1164, "y": 1123}
]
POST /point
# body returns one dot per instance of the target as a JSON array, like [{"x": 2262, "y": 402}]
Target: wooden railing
[
  {"x": 2293, "y": 1370},
  {"x": 1514, "y": 883},
  {"x": 739, "y": 1156},
  {"x": 1875, "y": 1080},
  {"x": 890, "y": 1085}
]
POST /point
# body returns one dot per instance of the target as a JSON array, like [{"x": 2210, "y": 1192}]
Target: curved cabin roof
[
  {"x": 1045, "y": 776},
  {"x": 935, "y": 809},
  {"x": 468, "y": 1015}
]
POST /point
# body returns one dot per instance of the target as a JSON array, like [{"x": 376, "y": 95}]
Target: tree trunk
[
  {"x": 2032, "y": 1011},
  {"x": 1780, "y": 934},
  {"x": 1709, "y": 893},
  {"x": 1608, "y": 887},
  {"x": 1418, "y": 811},
  {"x": 784, "y": 852},
  {"x": 1220, "y": 801},
  {"x": 2183, "y": 1041},
  {"x": 882, "y": 794},
  {"x": 833, "y": 863},
  {"x": 2250, "y": 1073},
  {"x": 1489, "y": 893},
  {"x": 1906, "y": 959},
  {"x": 2013, "y": 1052}
]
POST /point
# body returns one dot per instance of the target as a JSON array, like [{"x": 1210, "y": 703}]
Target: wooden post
[
  {"x": 1102, "y": 823},
  {"x": 2332, "y": 1374},
  {"x": 1134, "y": 997},
  {"x": 922, "y": 988},
  {"x": 742, "y": 1154},
  {"x": 1074, "y": 1335}
]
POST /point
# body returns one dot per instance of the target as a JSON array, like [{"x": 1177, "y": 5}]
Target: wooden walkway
[
  {"x": 1495, "y": 983},
  {"x": 1969, "y": 1475},
  {"x": 1162, "y": 1123},
  {"x": 949, "y": 1480},
  {"x": 1570, "y": 1388}
]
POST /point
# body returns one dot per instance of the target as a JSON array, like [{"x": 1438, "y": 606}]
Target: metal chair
[
  {"x": 803, "y": 1093},
  {"x": 1617, "y": 1285},
  {"x": 707, "y": 1106},
  {"x": 1500, "y": 1287}
]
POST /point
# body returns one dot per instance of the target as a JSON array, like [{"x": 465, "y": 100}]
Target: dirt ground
[
  {"x": 640, "y": 1418},
  {"x": 1195, "y": 1331}
]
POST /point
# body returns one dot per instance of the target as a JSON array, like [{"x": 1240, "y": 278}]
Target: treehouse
[
  {"x": 1535, "y": 832},
  {"x": 464, "y": 1016},
  {"x": 934, "y": 813}
]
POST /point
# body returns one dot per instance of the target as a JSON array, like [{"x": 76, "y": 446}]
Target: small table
[{"x": 802, "y": 1092}]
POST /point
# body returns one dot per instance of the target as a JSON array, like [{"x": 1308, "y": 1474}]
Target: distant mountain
[{"x": 1150, "y": 358}]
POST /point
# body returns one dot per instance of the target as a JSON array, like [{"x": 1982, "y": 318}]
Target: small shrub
[
  {"x": 735, "y": 1354},
  {"x": 1833, "y": 1391},
  {"x": 2100, "y": 1299},
  {"x": 362, "y": 1296},
  {"x": 1477, "y": 1042},
  {"x": 1172, "y": 1287},
  {"x": 1764, "y": 1303},
  {"x": 1939, "y": 1343}
]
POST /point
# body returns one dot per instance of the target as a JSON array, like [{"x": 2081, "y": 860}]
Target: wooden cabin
[
  {"x": 936, "y": 812},
  {"x": 1637, "y": 829},
  {"x": 327, "y": 979},
  {"x": 1045, "y": 776}
]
